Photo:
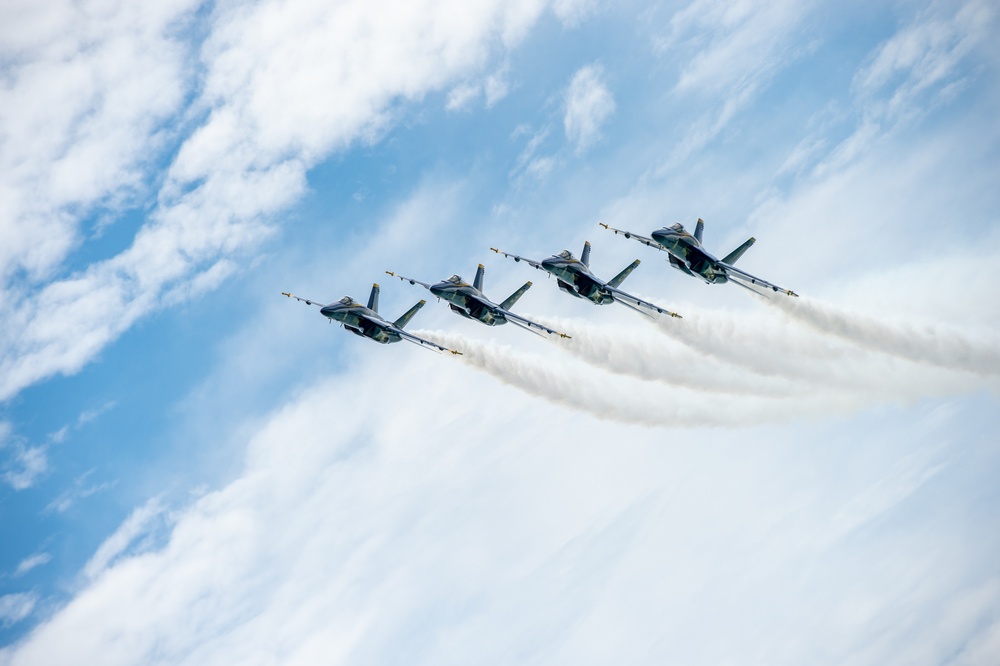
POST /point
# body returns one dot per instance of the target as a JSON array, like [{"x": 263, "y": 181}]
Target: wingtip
[
  {"x": 285, "y": 293},
  {"x": 390, "y": 273},
  {"x": 495, "y": 250},
  {"x": 601, "y": 224}
]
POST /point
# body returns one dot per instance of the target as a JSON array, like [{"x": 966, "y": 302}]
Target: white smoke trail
[
  {"x": 630, "y": 352},
  {"x": 782, "y": 347},
  {"x": 641, "y": 403},
  {"x": 934, "y": 345}
]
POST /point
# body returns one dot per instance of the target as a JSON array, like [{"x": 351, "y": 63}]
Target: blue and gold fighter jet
[
  {"x": 574, "y": 277},
  {"x": 368, "y": 323},
  {"x": 686, "y": 254},
  {"x": 469, "y": 301}
]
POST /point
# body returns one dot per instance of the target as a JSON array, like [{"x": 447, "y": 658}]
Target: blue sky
[{"x": 196, "y": 470}]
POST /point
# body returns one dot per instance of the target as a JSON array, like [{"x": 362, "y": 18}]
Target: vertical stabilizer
[
  {"x": 478, "y": 282},
  {"x": 585, "y": 257},
  {"x": 618, "y": 279},
  {"x": 699, "y": 229},
  {"x": 738, "y": 252},
  {"x": 510, "y": 300},
  {"x": 373, "y": 299},
  {"x": 408, "y": 315}
]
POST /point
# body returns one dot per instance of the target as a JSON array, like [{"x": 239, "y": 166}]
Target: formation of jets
[{"x": 573, "y": 276}]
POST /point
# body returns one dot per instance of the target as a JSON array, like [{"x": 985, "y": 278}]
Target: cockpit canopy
[
  {"x": 565, "y": 254},
  {"x": 346, "y": 300},
  {"x": 677, "y": 226},
  {"x": 454, "y": 279}
]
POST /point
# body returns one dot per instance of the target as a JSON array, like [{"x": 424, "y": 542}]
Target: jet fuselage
[
  {"x": 688, "y": 256},
  {"x": 350, "y": 313},
  {"x": 467, "y": 301},
  {"x": 576, "y": 279}
]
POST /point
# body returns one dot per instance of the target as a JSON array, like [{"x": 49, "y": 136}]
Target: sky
[{"x": 196, "y": 470}]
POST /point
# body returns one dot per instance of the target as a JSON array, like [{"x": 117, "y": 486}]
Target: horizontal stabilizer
[
  {"x": 408, "y": 315},
  {"x": 508, "y": 302},
  {"x": 738, "y": 252},
  {"x": 618, "y": 279}
]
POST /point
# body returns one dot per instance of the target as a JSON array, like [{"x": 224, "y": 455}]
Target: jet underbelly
[{"x": 568, "y": 288}]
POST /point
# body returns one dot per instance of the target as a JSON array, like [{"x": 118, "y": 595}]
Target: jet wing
[
  {"x": 425, "y": 285},
  {"x": 635, "y": 302},
  {"x": 530, "y": 325},
  {"x": 628, "y": 234},
  {"x": 517, "y": 319},
  {"x": 303, "y": 300},
  {"x": 409, "y": 337},
  {"x": 533, "y": 264},
  {"x": 742, "y": 276}
]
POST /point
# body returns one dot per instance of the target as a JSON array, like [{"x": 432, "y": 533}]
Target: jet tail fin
[
  {"x": 478, "y": 282},
  {"x": 618, "y": 279},
  {"x": 408, "y": 315},
  {"x": 510, "y": 300},
  {"x": 373, "y": 298},
  {"x": 585, "y": 257},
  {"x": 699, "y": 229},
  {"x": 738, "y": 252}
]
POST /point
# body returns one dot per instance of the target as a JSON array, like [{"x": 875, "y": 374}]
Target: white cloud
[
  {"x": 135, "y": 526},
  {"x": 86, "y": 86},
  {"x": 16, "y": 607},
  {"x": 29, "y": 563},
  {"x": 589, "y": 104},
  {"x": 923, "y": 59},
  {"x": 734, "y": 45},
  {"x": 360, "y": 537},
  {"x": 728, "y": 52},
  {"x": 575, "y": 12},
  {"x": 23, "y": 464},
  {"x": 497, "y": 85},
  {"x": 285, "y": 84},
  {"x": 461, "y": 97},
  {"x": 79, "y": 490}
]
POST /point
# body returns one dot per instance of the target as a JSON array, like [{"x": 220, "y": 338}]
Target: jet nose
[
  {"x": 328, "y": 310},
  {"x": 437, "y": 289}
]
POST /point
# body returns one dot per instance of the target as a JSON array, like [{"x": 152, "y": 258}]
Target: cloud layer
[{"x": 284, "y": 85}]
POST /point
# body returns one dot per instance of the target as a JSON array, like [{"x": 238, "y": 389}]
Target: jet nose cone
[
  {"x": 437, "y": 289},
  {"x": 328, "y": 310}
]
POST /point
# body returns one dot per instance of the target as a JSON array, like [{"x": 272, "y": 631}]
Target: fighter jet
[
  {"x": 574, "y": 277},
  {"x": 685, "y": 252},
  {"x": 368, "y": 323},
  {"x": 469, "y": 301}
]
